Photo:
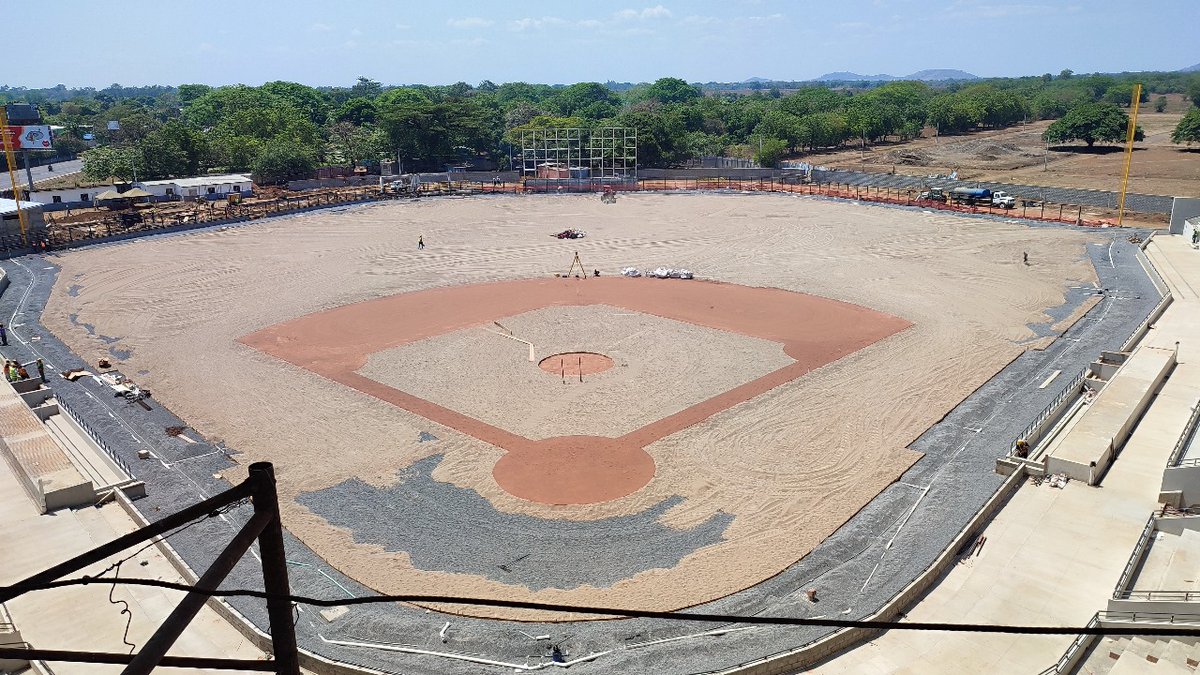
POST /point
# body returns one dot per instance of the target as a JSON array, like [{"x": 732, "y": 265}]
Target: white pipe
[
  {"x": 442, "y": 632},
  {"x": 511, "y": 337}
]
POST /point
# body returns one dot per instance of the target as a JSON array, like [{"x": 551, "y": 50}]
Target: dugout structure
[{"x": 572, "y": 154}]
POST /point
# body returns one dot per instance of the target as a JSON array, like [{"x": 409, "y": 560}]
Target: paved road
[
  {"x": 1102, "y": 198},
  {"x": 40, "y": 173}
]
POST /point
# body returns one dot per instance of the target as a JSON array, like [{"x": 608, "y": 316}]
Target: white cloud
[
  {"x": 320, "y": 27},
  {"x": 402, "y": 26},
  {"x": 472, "y": 42},
  {"x": 534, "y": 23},
  {"x": 696, "y": 20},
  {"x": 470, "y": 22},
  {"x": 655, "y": 12}
]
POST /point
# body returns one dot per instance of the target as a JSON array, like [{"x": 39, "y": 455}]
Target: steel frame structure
[
  {"x": 264, "y": 527},
  {"x": 605, "y": 152}
]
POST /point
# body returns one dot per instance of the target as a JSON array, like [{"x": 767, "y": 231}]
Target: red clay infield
[{"x": 335, "y": 343}]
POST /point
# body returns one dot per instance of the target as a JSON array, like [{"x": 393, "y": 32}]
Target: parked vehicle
[
  {"x": 962, "y": 195},
  {"x": 933, "y": 194},
  {"x": 1003, "y": 199}
]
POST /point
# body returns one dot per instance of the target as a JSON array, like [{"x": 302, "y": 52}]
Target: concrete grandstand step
[
  {"x": 1156, "y": 562},
  {"x": 1182, "y": 571},
  {"x": 88, "y": 459},
  {"x": 1193, "y": 656},
  {"x": 1104, "y": 656},
  {"x": 1176, "y": 652}
]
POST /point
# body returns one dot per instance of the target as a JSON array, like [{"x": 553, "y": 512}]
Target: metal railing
[
  {"x": 1135, "y": 557},
  {"x": 1145, "y": 324},
  {"x": 66, "y": 409},
  {"x": 1177, "y": 452},
  {"x": 1148, "y": 617},
  {"x": 1077, "y": 646},
  {"x": 1160, "y": 596},
  {"x": 1048, "y": 411}
]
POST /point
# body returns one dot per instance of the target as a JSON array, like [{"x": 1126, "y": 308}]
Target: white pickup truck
[{"x": 1003, "y": 199}]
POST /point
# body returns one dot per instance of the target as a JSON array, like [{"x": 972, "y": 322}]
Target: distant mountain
[
  {"x": 934, "y": 75},
  {"x": 1192, "y": 69},
  {"x": 758, "y": 79},
  {"x": 940, "y": 74},
  {"x": 844, "y": 76}
]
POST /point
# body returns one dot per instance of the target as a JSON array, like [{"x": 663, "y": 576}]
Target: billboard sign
[{"x": 30, "y": 137}]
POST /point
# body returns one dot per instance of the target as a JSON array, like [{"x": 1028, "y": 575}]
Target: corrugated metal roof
[
  {"x": 201, "y": 181},
  {"x": 10, "y": 205}
]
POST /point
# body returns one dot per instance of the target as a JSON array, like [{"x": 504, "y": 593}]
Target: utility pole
[{"x": 28, "y": 171}]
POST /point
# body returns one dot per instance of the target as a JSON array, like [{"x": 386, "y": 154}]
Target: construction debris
[{"x": 670, "y": 273}]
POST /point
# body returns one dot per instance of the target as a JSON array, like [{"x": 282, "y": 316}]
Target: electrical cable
[{"x": 1146, "y": 629}]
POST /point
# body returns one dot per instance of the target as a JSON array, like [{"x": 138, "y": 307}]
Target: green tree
[
  {"x": 352, "y": 144},
  {"x": 1091, "y": 122},
  {"x": 771, "y": 150},
  {"x": 366, "y": 88},
  {"x": 1193, "y": 91},
  {"x": 174, "y": 150},
  {"x": 586, "y": 99},
  {"x": 672, "y": 90},
  {"x": 191, "y": 92},
  {"x": 282, "y": 160},
  {"x": 356, "y": 111},
  {"x": 1188, "y": 129},
  {"x": 1160, "y": 104},
  {"x": 100, "y": 164}
]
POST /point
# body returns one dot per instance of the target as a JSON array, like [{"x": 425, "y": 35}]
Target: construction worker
[{"x": 41, "y": 370}]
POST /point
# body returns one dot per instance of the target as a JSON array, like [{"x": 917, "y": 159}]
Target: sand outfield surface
[{"x": 766, "y": 479}]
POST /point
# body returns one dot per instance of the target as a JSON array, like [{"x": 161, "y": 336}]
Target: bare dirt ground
[
  {"x": 1019, "y": 155},
  {"x": 790, "y": 465}
]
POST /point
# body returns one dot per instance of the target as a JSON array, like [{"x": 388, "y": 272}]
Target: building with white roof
[
  {"x": 10, "y": 220},
  {"x": 205, "y": 187}
]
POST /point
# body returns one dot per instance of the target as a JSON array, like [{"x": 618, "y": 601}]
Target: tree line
[{"x": 282, "y": 130}]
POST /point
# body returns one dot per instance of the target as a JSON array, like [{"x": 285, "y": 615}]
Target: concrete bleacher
[
  {"x": 1133, "y": 655},
  {"x": 1085, "y": 450},
  {"x": 44, "y": 469},
  {"x": 1170, "y": 563}
]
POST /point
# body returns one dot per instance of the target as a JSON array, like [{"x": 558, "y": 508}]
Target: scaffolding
[{"x": 574, "y": 154}]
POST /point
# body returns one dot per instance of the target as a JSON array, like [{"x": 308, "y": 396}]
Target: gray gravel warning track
[{"x": 443, "y": 527}]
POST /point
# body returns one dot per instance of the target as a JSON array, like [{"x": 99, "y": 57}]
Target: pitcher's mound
[{"x": 575, "y": 363}]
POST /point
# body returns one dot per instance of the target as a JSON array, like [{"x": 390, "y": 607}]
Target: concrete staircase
[
  {"x": 1172, "y": 563},
  {"x": 87, "y": 458},
  {"x": 1134, "y": 655}
]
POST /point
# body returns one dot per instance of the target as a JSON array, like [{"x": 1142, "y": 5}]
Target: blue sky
[{"x": 217, "y": 42}]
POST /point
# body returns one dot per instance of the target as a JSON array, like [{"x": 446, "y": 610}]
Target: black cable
[
  {"x": 124, "y": 610},
  {"x": 116, "y": 566},
  {"x": 1149, "y": 629}
]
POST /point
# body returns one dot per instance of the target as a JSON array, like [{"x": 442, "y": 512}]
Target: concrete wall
[
  {"x": 1155, "y": 606},
  {"x": 1176, "y": 524},
  {"x": 1183, "y": 209},
  {"x": 1184, "y": 479},
  {"x": 10, "y": 636},
  {"x": 73, "y": 496}
]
